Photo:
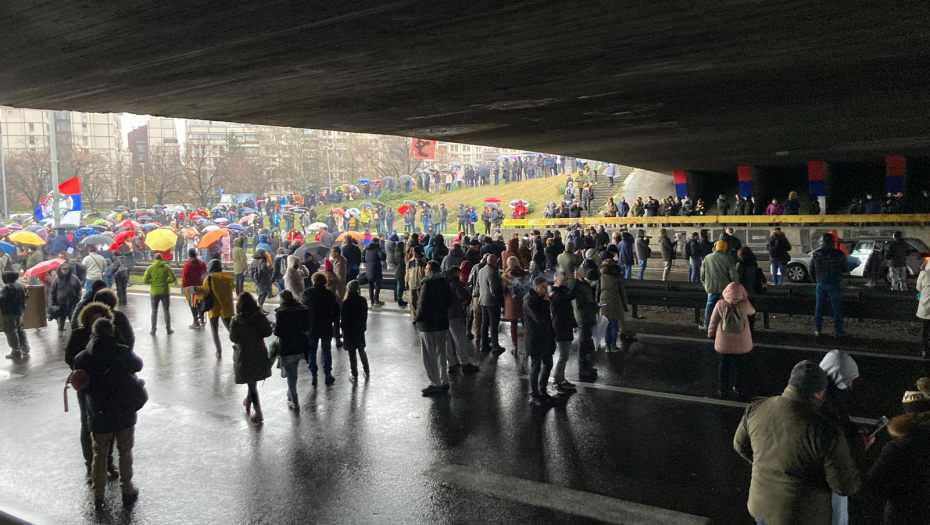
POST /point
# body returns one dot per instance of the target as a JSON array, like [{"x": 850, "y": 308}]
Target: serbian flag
[
  {"x": 69, "y": 203},
  {"x": 422, "y": 149}
]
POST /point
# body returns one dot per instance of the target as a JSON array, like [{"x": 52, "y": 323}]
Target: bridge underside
[{"x": 661, "y": 85}]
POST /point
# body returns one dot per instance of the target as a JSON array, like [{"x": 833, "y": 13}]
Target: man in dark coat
[
  {"x": 110, "y": 414},
  {"x": 354, "y": 324},
  {"x": 323, "y": 313},
  {"x": 563, "y": 326},
  {"x": 374, "y": 256},
  {"x": 432, "y": 322},
  {"x": 540, "y": 340},
  {"x": 353, "y": 256},
  {"x": 827, "y": 267},
  {"x": 458, "y": 340}
]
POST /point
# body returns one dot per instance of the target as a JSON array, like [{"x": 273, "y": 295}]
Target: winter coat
[
  {"x": 514, "y": 284},
  {"x": 552, "y": 257},
  {"x": 440, "y": 250},
  {"x": 461, "y": 297},
  {"x": 610, "y": 292},
  {"x": 13, "y": 298},
  {"x": 159, "y": 277},
  {"x": 798, "y": 458},
  {"x": 667, "y": 247},
  {"x": 718, "y": 271},
  {"x": 294, "y": 278},
  {"x": 193, "y": 272},
  {"x": 641, "y": 246},
  {"x": 827, "y": 265},
  {"x": 261, "y": 274},
  {"x": 322, "y": 311},
  {"x": 899, "y": 475},
  {"x": 490, "y": 287},
  {"x": 341, "y": 269},
  {"x": 400, "y": 268},
  {"x": 778, "y": 248},
  {"x": 585, "y": 303},
  {"x": 455, "y": 258},
  {"x": 354, "y": 321},
  {"x": 353, "y": 256},
  {"x": 694, "y": 251},
  {"x": 896, "y": 253},
  {"x": 374, "y": 255},
  {"x": 65, "y": 294},
  {"x": 723, "y": 205},
  {"x": 792, "y": 207},
  {"x": 563, "y": 318},
  {"x": 416, "y": 270},
  {"x": 540, "y": 338},
  {"x": 727, "y": 342},
  {"x": 222, "y": 287},
  {"x": 101, "y": 354},
  {"x": 923, "y": 286},
  {"x": 569, "y": 263},
  {"x": 250, "y": 358},
  {"x": 291, "y": 326},
  {"x": 434, "y": 303}
]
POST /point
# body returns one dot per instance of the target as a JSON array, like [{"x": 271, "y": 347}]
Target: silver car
[{"x": 860, "y": 249}]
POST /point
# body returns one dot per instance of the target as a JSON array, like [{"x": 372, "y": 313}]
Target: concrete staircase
[{"x": 603, "y": 190}]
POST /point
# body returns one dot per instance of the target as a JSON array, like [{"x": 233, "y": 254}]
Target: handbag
[{"x": 208, "y": 300}]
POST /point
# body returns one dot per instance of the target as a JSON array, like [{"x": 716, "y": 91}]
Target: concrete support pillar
[
  {"x": 818, "y": 178},
  {"x": 895, "y": 173}
]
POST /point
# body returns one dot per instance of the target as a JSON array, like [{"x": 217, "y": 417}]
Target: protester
[
  {"x": 192, "y": 275},
  {"x": 798, "y": 457},
  {"x": 13, "y": 298},
  {"x": 261, "y": 273},
  {"x": 122, "y": 259},
  {"x": 374, "y": 257},
  {"x": 717, "y": 271},
  {"x": 457, "y": 347},
  {"x": 416, "y": 270},
  {"x": 240, "y": 264},
  {"x": 491, "y": 299},
  {"x": 160, "y": 277},
  {"x": 610, "y": 295},
  {"x": 340, "y": 267},
  {"x": 124, "y": 332},
  {"x": 896, "y": 260},
  {"x": 113, "y": 398},
  {"x": 354, "y": 323},
  {"x": 923, "y": 308},
  {"x": 729, "y": 328},
  {"x": 779, "y": 256},
  {"x": 95, "y": 287},
  {"x": 217, "y": 295},
  {"x": 400, "y": 272},
  {"x": 751, "y": 277},
  {"x": 432, "y": 322},
  {"x": 642, "y": 250},
  {"x": 248, "y": 331},
  {"x": 65, "y": 294},
  {"x": 514, "y": 286},
  {"x": 295, "y": 275},
  {"x": 96, "y": 266},
  {"x": 291, "y": 328},
  {"x": 540, "y": 339},
  {"x": 827, "y": 267},
  {"x": 323, "y": 312},
  {"x": 586, "y": 319}
]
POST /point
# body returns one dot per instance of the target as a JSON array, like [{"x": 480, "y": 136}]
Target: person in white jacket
[
  {"x": 96, "y": 266},
  {"x": 294, "y": 275},
  {"x": 923, "y": 308}
]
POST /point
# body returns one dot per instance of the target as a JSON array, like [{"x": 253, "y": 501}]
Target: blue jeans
[
  {"x": 442, "y": 227},
  {"x": 290, "y": 370},
  {"x": 694, "y": 273},
  {"x": 327, "y": 345},
  {"x": 642, "y": 269},
  {"x": 834, "y": 293},
  {"x": 610, "y": 336},
  {"x": 628, "y": 272},
  {"x": 779, "y": 270},
  {"x": 87, "y": 284},
  {"x": 840, "y": 510},
  {"x": 425, "y": 225},
  {"x": 712, "y": 299}
]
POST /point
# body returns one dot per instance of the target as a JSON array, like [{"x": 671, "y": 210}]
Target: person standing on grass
[
  {"x": 248, "y": 331},
  {"x": 160, "y": 277}
]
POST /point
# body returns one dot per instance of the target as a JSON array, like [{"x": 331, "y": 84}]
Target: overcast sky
[{"x": 130, "y": 122}]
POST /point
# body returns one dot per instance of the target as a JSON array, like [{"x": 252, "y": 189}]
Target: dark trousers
[
  {"x": 353, "y": 363},
  {"x": 585, "y": 345},
  {"x": 327, "y": 345},
  {"x": 215, "y": 328},
  {"x": 165, "y": 301},
  {"x": 197, "y": 312},
  {"x": 87, "y": 446},
  {"x": 490, "y": 325},
  {"x": 15, "y": 335},
  {"x": 374, "y": 290},
  {"x": 925, "y": 332},
  {"x": 399, "y": 291},
  {"x": 732, "y": 371},
  {"x": 240, "y": 283},
  {"x": 541, "y": 367},
  {"x": 122, "y": 282}
]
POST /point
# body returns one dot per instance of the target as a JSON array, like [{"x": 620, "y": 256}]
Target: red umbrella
[
  {"x": 199, "y": 212},
  {"x": 492, "y": 199},
  {"x": 43, "y": 268},
  {"x": 128, "y": 223},
  {"x": 376, "y": 181},
  {"x": 403, "y": 209},
  {"x": 122, "y": 237},
  {"x": 339, "y": 211},
  {"x": 247, "y": 219},
  {"x": 5, "y": 231}
]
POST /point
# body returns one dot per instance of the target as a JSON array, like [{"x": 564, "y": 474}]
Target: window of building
[
  {"x": 84, "y": 117},
  {"x": 32, "y": 141},
  {"x": 32, "y": 127},
  {"x": 84, "y": 141},
  {"x": 84, "y": 127}
]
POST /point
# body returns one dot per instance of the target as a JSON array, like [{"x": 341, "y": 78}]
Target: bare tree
[
  {"x": 29, "y": 175},
  {"x": 117, "y": 181},
  {"x": 163, "y": 173},
  {"x": 296, "y": 160},
  {"x": 389, "y": 157},
  {"x": 200, "y": 178}
]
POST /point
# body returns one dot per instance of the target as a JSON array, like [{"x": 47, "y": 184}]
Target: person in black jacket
[
  {"x": 400, "y": 273},
  {"x": 13, "y": 297},
  {"x": 95, "y": 287},
  {"x": 540, "y": 339},
  {"x": 124, "y": 331},
  {"x": 374, "y": 256},
  {"x": 108, "y": 416},
  {"x": 65, "y": 294},
  {"x": 827, "y": 267},
  {"x": 432, "y": 322},
  {"x": 457, "y": 347},
  {"x": 563, "y": 327},
  {"x": 323, "y": 313},
  {"x": 291, "y": 327},
  {"x": 354, "y": 324},
  {"x": 353, "y": 255}
]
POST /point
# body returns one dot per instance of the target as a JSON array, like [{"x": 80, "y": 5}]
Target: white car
[{"x": 859, "y": 250}]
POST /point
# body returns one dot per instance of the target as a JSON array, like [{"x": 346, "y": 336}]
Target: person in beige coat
[
  {"x": 733, "y": 343},
  {"x": 340, "y": 268},
  {"x": 923, "y": 308}
]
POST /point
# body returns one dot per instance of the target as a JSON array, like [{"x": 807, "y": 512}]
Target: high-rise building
[
  {"x": 158, "y": 132},
  {"x": 97, "y": 133}
]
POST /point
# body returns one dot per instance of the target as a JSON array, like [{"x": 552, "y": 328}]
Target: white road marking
[{"x": 569, "y": 501}]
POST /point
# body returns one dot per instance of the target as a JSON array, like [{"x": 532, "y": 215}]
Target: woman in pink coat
[
  {"x": 733, "y": 341},
  {"x": 224, "y": 248}
]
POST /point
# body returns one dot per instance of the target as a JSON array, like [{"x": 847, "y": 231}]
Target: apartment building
[
  {"x": 158, "y": 132},
  {"x": 98, "y": 133}
]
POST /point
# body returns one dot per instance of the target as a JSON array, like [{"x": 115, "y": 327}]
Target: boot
[
  {"x": 247, "y": 403},
  {"x": 257, "y": 417}
]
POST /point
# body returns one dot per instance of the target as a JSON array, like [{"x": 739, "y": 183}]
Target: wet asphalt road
[{"x": 647, "y": 432}]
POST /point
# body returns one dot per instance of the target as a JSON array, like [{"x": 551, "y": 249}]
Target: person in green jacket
[
  {"x": 717, "y": 271},
  {"x": 160, "y": 277},
  {"x": 799, "y": 458},
  {"x": 240, "y": 263}
]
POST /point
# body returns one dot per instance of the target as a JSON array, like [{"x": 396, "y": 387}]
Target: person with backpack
[
  {"x": 122, "y": 259},
  {"x": 261, "y": 273},
  {"x": 192, "y": 275},
  {"x": 729, "y": 328},
  {"x": 13, "y": 297},
  {"x": 216, "y": 297},
  {"x": 114, "y": 395},
  {"x": 751, "y": 277},
  {"x": 778, "y": 248},
  {"x": 248, "y": 331},
  {"x": 65, "y": 295}
]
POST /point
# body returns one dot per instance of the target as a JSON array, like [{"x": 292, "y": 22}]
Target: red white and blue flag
[{"x": 69, "y": 203}]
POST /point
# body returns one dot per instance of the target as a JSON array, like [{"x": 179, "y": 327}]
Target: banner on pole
[
  {"x": 69, "y": 202},
  {"x": 422, "y": 149}
]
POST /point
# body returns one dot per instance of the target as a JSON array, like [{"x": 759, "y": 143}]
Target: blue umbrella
[
  {"x": 235, "y": 227},
  {"x": 263, "y": 246},
  {"x": 363, "y": 181},
  {"x": 247, "y": 211},
  {"x": 7, "y": 247},
  {"x": 456, "y": 165},
  {"x": 149, "y": 227},
  {"x": 80, "y": 233},
  {"x": 35, "y": 228}
]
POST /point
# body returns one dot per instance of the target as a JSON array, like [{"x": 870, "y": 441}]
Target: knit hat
[
  {"x": 721, "y": 246},
  {"x": 592, "y": 275},
  {"x": 808, "y": 377},
  {"x": 513, "y": 262},
  {"x": 590, "y": 253},
  {"x": 354, "y": 286},
  {"x": 103, "y": 327},
  {"x": 918, "y": 400}
]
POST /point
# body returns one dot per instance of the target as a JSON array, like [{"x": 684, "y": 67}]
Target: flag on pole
[
  {"x": 423, "y": 149},
  {"x": 69, "y": 202}
]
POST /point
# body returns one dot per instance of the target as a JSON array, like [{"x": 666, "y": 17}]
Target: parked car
[{"x": 859, "y": 251}]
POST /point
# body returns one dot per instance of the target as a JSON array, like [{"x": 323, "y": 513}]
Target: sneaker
[
  {"x": 130, "y": 496},
  {"x": 816, "y": 333},
  {"x": 194, "y": 326},
  {"x": 562, "y": 390},
  {"x": 470, "y": 369},
  {"x": 14, "y": 355},
  {"x": 330, "y": 380},
  {"x": 432, "y": 391},
  {"x": 568, "y": 384},
  {"x": 702, "y": 327},
  {"x": 170, "y": 331}
]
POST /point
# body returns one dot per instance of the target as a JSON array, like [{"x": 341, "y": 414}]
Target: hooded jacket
[
  {"x": 13, "y": 295},
  {"x": 455, "y": 258},
  {"x": 434, "y": 303},
  {"x": 322, "y": 311},
  {"x": 540, "y": 338},
  {"x": 240, "y": 262},
  {"x": 354, "y": 320},
  {"x": 374, "y": 255},
  {"x": 294, "y": 278},
  {"x": 291, "y": 326},
  {"x": 827, "y": 264},
  {"x": 102, "y": 353},
  {"x": 899, "y": 475},
  {"x": 727, "y": 342},
  {"x": 222, "y": 287},
  {"x": 610, "y": 291},
  {"x": 159, "y": 277},
  {"x": 250, "y": 358},
  {"x": 641, "y": 246}
]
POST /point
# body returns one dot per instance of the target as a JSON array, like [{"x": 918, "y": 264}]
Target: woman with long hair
[{"x": 249, "y": 329}]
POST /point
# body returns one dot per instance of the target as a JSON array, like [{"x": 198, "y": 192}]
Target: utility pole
[
  {"x": 53, "y": 152},
  {"x": 329, "y": 171},
  {"x": 6, "y": 210},
  {"x": 145, "y": 198}
]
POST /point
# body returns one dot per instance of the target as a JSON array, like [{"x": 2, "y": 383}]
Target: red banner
[{"x": 423, "y": 149}]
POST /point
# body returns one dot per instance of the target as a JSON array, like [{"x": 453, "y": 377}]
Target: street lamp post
[
  {"x": 53, "y": 153},
  {"x": 6, "y": 210},
  {"x": 145, "y": 197}
]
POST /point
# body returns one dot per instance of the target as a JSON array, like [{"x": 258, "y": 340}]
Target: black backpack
[{"x": 119, "y": 391}]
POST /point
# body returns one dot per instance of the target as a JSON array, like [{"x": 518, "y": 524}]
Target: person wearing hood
[
  {"x": 842, "y": 371},
  {"x": 778, "y": 248},
  {"x": 611, "y": 293},
  {"x": 798, "y": 457},
  {"x": 432, "y": 320},
  {"x": 13, "y": 297},
  {"x": 717, "y": 271},
  {"x": 513, "y": 284},
  {"x": 400, "y": 272},
  {"x": 95, "y": 287},
  {"x": 219, "y": 286},
  {"x": 899, "y": 475},
  {"x": 323, "y": 312},
  {"x": 729, "y": 328},
  {"x": 192, "y": 275},
  {"x": 354, "y": 323},
  {"x": 454, "y": 259},
  {"x": 65, "y": 294},
  {"x": 668, "y": 252},
  {"x": 295, "y": 275},
  {"x": 642, "y": 251},
  {"x": 249, "y": 329},
  {"x": 122, "y": 259},
  {"x": 291, "y": 327},
  {"x": 261, "y": 273},
  {"x": 723, "y": 205},
  {"x": 827, "y": 267},
  {"x": 374, "y": 257},
  {"x": 896, "y": 259}
]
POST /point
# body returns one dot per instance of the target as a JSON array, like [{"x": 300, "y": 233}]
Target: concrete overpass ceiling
[{"x": 662, "y": 85}]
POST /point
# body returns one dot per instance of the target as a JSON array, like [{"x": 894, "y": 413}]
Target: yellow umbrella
[
  {"x": 27, "y": 238},
  {"x": 212, "y": 236},
  {"x": 161, "y": 239}
]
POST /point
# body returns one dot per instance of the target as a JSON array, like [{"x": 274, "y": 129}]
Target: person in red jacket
[
  {"x": 191, "y": 280},
  {"x": 519, "y": 212}
]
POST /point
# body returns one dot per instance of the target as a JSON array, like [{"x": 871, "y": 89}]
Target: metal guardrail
[{"x": 723, "y": 219}]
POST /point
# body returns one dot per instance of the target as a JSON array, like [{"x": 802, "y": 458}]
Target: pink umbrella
[{"x": 43, "y": 268}]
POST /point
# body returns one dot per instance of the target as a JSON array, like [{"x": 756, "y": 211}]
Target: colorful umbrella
[
  {"x": 517, "y": 201},
  {"x": 27, "y": 238},
  {"x": 7, "y": 247},
  {"x": 210, "y": 228},
  {"x": 364, "y": 205},
  {"x": 43, "y": 268},
  {"x": 339, "y": 211},
  {"x": 376, "y": 181},
  {"x": 161, "y": 239},
  {"x": 353, "y": 212},
  {"x": 355, "y": 235},
  {"x": 235, "y": 227},
  {"x": 378, "y": 203},
  {"x": 212, "y": 237},
  {"x": 404, "y": 209},
  {"x": 122, "y": 237},
  {"x": 5, "y": 231},
  {"x": 247, "y": 219},
  {"x": 492, "y": 205},
  {"x": 317, "y": 226},
  {"x": 15, "y": 226},
  {"x": 363, "y": 181},
  {"x": 97, "y": 240},
  {"x": 34, "y": 228},
  {"x": 128, "y": 223},
  {"x": 149, "y": 227},
  {"x": 221, "y": 220},
  {"x": 492, "y": 199},
  {"x": 102, "y": 222}
]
